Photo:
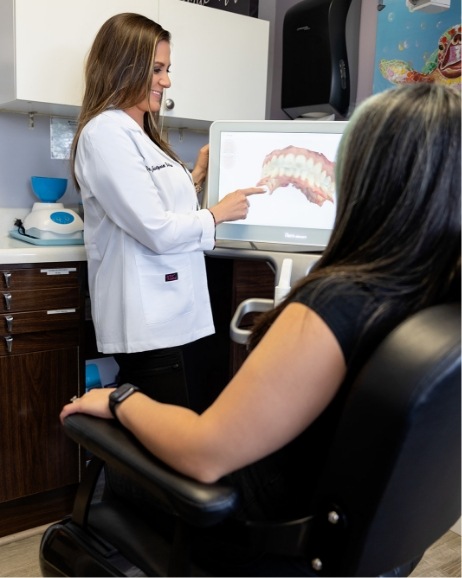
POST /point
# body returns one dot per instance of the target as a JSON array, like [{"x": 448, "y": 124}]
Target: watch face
[
  {"x": 119, "y": 394},
  {"x": 123, "y": 391}
]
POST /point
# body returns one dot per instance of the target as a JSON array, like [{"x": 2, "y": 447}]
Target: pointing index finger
[{"x": 255, "y": 191}]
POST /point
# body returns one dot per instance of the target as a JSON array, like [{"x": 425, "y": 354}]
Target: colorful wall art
[{"x": 416, "y": 46}]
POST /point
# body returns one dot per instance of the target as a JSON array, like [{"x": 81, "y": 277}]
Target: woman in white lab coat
[{"x": 144, "y": 233}]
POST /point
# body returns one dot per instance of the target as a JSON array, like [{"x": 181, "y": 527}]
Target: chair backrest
[{"x": 392, "y": 484}]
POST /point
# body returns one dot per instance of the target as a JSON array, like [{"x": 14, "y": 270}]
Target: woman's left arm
[{"x": 282, "y": 387}]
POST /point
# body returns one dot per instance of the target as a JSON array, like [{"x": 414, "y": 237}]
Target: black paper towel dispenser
[{"x": 317, "y": 65}]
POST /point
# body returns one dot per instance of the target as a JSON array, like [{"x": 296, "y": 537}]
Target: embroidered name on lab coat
[
  {"x": 158, "y": 167},
  {"x": 171, "y": 277}
]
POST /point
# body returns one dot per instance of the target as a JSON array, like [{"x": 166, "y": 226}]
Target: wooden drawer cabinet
[
  {"x": 30, "y": 300},
  {"x": 43, "y": 300},
  {"x": 35, "y": 455},
  {"x": 40, "y": 341},
  {"x": 41, "y": 367},
  {"x": 38, "y": 277},
  {"x": 35, "y": 321}
]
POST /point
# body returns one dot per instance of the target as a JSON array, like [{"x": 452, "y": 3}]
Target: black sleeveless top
[{"x": 279, "y": 486}]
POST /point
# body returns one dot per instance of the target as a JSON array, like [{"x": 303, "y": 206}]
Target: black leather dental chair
[{"x": 389, "y": 489}]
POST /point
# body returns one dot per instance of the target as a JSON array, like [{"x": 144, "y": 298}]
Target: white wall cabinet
[
  {"x": 219, "y": 63},
  {"x": 43, "y": 45},
  {"x": 219, "y": 59}
]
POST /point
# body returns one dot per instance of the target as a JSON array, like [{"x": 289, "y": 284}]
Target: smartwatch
[{"x": 119, "y": 395}]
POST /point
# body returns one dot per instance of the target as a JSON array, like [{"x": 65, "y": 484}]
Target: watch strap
[{"x": 119, "y": 395}]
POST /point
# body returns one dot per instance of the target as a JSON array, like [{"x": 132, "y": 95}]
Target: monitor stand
[{"x": 289, "y": 268}]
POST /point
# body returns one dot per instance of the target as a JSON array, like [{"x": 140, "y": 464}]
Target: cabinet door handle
[
  {"x": 169, "y": 104},
  {"x": 9, "y": 323},
  {"x": 7, "y": 278},
  {"x": 9, "y": 343},
  {"x": 7, "y": 297}
]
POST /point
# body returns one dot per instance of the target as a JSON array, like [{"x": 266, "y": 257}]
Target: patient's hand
[{"x": 95, "y": 402}]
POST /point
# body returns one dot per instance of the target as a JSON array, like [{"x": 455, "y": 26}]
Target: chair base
[{"x": 66, "y": 550}]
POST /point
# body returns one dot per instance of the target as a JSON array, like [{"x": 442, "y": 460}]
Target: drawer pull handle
[
  {"x": 9, "y": 323},
  {"x": 8, "y": 297},
  {"x": 7, "y": 278},
  {"x": 9, "y": 343}
]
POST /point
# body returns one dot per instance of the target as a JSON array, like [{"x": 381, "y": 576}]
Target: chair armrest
[{"x": 197, "y": 503}]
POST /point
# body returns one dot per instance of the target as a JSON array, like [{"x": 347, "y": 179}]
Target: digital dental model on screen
[{"x": 295, "y": 161}]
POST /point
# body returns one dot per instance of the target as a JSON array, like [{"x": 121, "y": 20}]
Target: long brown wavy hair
[
  {"x": 397, "y": 224},
  {"x": 118, "y": 73}
]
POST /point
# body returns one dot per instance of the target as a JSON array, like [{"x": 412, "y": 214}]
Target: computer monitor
[{"x": 295, "y": 160}]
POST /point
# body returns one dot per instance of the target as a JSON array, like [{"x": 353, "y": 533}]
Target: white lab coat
[{"x": 144, "y": 238}]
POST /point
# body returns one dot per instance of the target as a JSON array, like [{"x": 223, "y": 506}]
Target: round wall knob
[{"x": 169, "y": 104}]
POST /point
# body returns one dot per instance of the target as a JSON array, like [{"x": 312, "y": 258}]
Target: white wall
[
  {"x": 25, "y": 151},
  {"x": 367, "y": 34}
]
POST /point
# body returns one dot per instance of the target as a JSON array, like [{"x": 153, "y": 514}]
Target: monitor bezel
[{"x": 242, "y": 236}]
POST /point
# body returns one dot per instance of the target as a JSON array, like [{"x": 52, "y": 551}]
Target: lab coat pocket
[{"x": 166, "y": 286}]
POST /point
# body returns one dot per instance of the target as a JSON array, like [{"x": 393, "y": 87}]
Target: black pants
[{"x": 159, "y": 373}]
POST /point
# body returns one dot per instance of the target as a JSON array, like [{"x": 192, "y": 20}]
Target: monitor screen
[{"x": 295, "y": 161}]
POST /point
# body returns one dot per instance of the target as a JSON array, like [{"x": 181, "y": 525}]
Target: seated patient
[{"x": 395, "y": 250}]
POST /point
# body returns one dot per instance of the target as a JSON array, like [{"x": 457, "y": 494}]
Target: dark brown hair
[
  {"x": 118, "y": 72},
  {"x": 398, "y": 216}
]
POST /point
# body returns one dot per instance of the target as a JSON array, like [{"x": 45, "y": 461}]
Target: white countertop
[{"x": 15, "y": 251}]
